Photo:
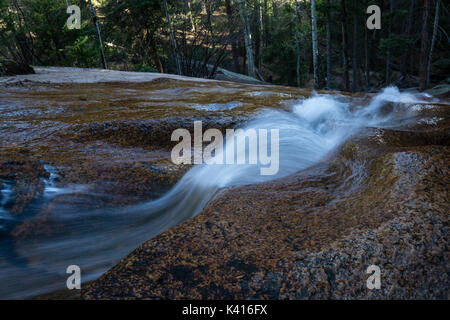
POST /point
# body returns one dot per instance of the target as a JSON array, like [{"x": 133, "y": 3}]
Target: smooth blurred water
[
  {"x": 6, "y": 193},
  {"x": 97, "y": 239}
]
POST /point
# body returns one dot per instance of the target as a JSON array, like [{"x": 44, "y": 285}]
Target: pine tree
[
  {"x": 433, "y": 40},
  {"x": 172, "y": 38},
  {"x": 424, "y": 48},
  {"x": 314, "y": 44},
  {"x": 247, "y": 38},
  {"x": 329, "y": 67},
  {"x": 345, "y": 45}
]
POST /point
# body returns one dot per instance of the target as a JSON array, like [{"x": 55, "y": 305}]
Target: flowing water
[{"x": 99, "y": 237}]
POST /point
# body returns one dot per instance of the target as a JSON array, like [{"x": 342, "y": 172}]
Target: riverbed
[{"x": 86, "y": 177}]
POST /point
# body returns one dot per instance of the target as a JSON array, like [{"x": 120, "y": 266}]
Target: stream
[{"x": 95, "y": 237}]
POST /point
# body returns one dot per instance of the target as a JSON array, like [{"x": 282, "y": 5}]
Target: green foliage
[
  {"x": 35, "y": 31},
  {"x": 46, "y": 19},
  {"x": 8, "y": 31},
  {"x": 144, "y": 68},
  {"x": 397, "y": 43},
  {"x": 82, "y": 53},
  {"x": 131, "y": 26},
  {"x": 136, "y": 36},
  {"x": 281, "y": 54}
]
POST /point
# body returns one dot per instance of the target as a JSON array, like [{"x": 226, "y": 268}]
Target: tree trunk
[
  {"x": 266, "y": 23},
  {"x": 94, "y": 18},
  {"x": 433, "y": 40},
  {"x": 367, "y": 54},
  {"x": 247, "y": 38},
  {"x": 388, "y": 56},
  {"x": 329, "y": 80},
  {"x": 355, "y": 46},
  {"x": 244, "y": 62},
  {"x": 208, "y": 16},
  {"x": 172, "y": 39},
  {"x": 232, "y": 35},
  {"x": 314, "y": 44},
  {"x": 189, "y": 14},
  {"x": 154, "y": 53},
  {"x": 345, "y": 45},
  {"x": 274, "y": 9},
  {"x": 298, "y": 68},
  {"x": 424, "y": 48},
  {"x": 298, "y": 44},
  {"x": 407, "y": 55},
  {"x": 261, "y": 31}
]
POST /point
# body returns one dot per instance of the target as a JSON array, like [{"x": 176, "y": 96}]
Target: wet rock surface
[
  {"x": 94, "y": 127},
  {"x": 382, "y": 200},
  {"x": 68, "y": 149}
]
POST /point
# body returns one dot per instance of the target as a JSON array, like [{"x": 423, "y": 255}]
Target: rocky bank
[{"x": 381, "y": 199}]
